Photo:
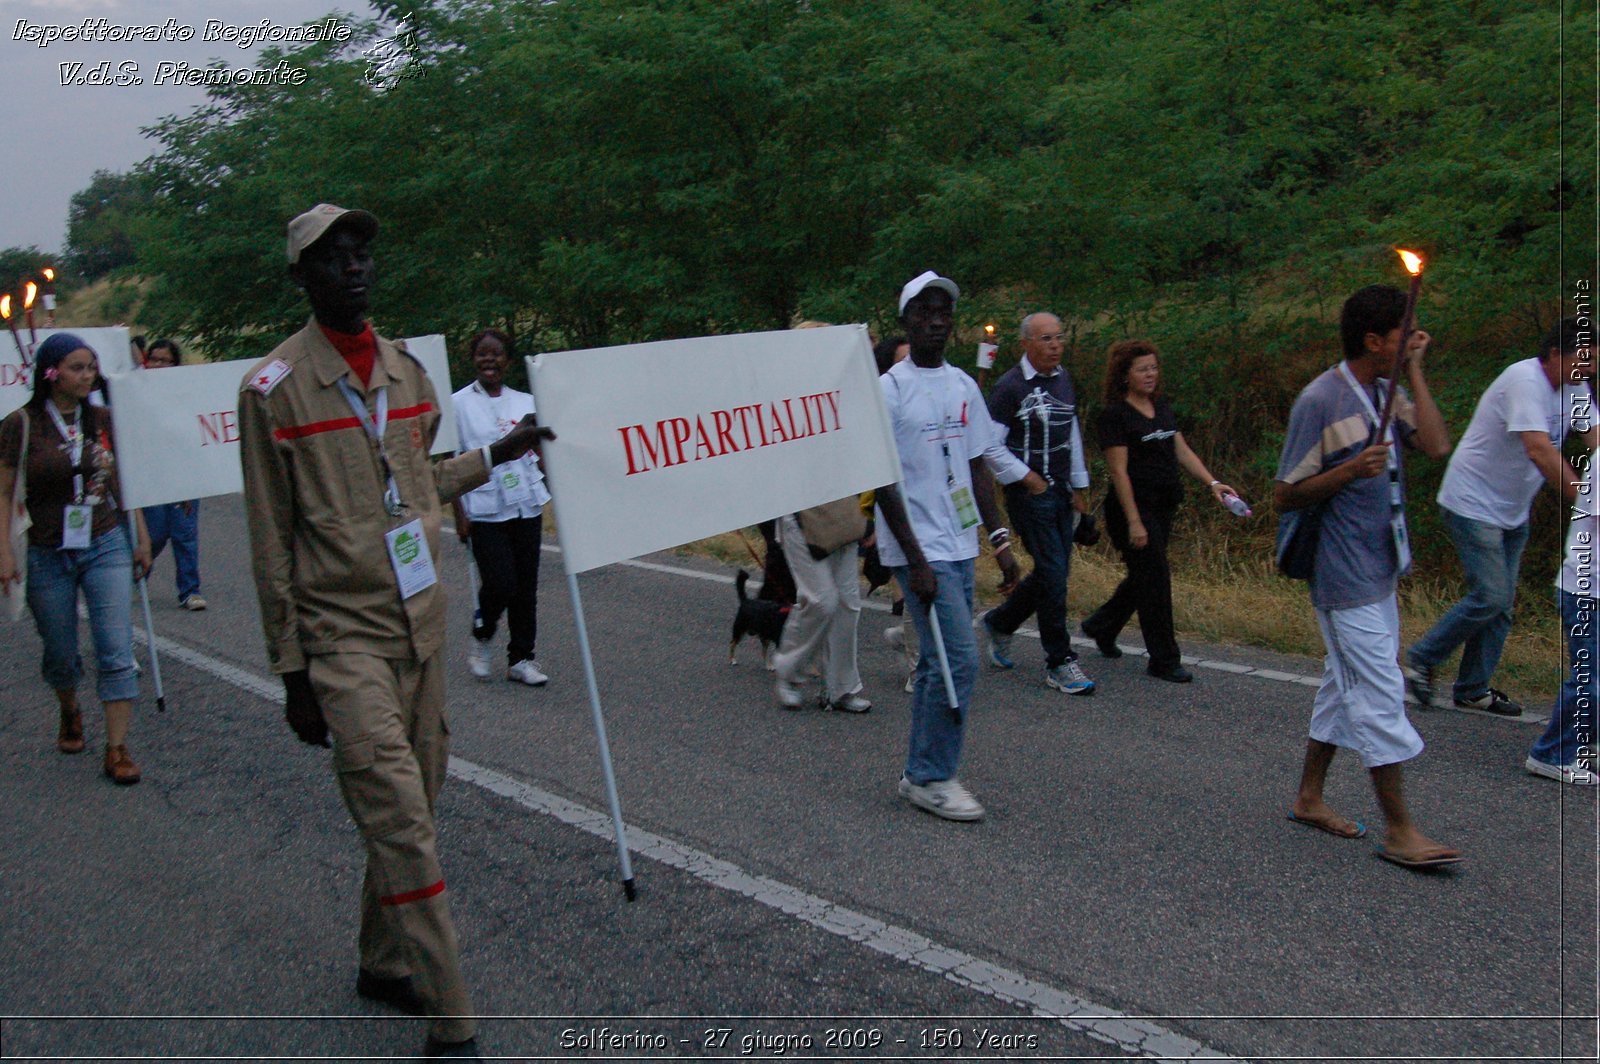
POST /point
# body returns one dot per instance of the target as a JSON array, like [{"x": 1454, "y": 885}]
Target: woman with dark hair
[
  {"x": 1144, "y": 453},
  {"x": 503, "y": 519},
  {"x": 59, "y": 446},
  {"x": 176, "y": 521}
]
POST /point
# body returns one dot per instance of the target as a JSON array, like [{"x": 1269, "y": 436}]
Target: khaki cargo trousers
[{"x": 390, "y": 745}]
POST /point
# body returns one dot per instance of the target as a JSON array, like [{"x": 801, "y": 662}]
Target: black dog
[{"x": 756, "y": 617}]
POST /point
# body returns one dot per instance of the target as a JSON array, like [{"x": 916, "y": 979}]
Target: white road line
[
  {"x": 1128, "y": 1033},
  {"x": 1528, "y": 717}
]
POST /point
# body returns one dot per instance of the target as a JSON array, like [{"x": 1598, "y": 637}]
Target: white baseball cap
[{"x": 922, "y": 281}]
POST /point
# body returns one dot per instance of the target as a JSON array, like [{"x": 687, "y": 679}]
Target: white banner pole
[
  {"x": 599, "y": 723},
  {"x": 149, "y": 622}
]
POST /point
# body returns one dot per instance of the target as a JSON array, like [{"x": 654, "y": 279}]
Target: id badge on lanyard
[
  {"x": 408, "y": 553},
  {"x": 966, "y": 509},
  {"x": 77, "y": 517},
  {"x": 1397, "y": 509}
]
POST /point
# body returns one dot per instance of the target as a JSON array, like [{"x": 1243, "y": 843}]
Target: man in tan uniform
[{"x": 344, "y": 508}]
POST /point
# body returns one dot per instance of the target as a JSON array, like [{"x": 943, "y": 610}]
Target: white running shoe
[
  {"x": 480, "y": 658},
  {"x": 851, "y": 703},
  {"x": 790, "y": 696},
  {"x": 1574, "y": 773},
  {"x": 527, "y": 671},
  {"x": 942, "y": 798},
  {"x": 1069, "y": 677},
  {"x": 895, "y": 636}
]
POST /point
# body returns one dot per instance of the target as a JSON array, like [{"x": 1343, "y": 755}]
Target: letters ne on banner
[
  {"x": 664, "y": 443},
  {"x": 110, "y": 347},
  {"x": 177, "y": 430}
]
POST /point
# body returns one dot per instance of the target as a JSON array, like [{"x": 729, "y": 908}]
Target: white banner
[
  {"x": 177, "y": 430},
  {"x": 664, "y": 443},
  {"x": 110, "y": 346}
]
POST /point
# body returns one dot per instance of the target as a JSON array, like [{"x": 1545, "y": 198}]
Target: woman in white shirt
[{"x": 503, "y": 519}]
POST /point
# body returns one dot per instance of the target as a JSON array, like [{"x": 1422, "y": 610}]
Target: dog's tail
[{"x": 739, "y": 582}]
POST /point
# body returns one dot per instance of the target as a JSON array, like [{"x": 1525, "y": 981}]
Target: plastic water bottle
[{"x": 1239, "y": 507}]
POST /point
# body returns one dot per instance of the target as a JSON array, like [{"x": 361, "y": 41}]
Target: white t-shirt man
[
  {"x": 1490, "y": 477},
  {"x": 515, "y": 488},
  {"x": 941, "y": 424}
]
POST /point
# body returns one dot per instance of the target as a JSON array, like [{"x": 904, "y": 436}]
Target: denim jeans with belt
[
  {"x": 1491, "y": 557},
  {"x": 104, "y": 570},
  {"x": 1572, "y": 718},
  {"x": 937, "y": 730}
]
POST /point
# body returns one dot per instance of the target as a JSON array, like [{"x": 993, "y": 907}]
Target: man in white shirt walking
[
  {"x": 1512, "y": 446},
  {"x": 928, "y": 534}
]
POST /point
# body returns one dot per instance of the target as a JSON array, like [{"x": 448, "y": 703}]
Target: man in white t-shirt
[
  {"x": 928, "y": 533},
  {"x": 1512, "y": 446}
]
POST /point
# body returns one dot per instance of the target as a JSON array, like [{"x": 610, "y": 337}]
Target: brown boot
[
  {"x": 120, "y": 767},
  {"x": 69, "y": 738}
]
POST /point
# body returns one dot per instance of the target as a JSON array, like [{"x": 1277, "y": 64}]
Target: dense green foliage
[{"x": 1213, "y": 174}]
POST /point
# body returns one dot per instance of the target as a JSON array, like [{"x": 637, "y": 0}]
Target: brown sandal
[
  {"x": 69, "y": 738},
  {"x": 120, "y": 768}
]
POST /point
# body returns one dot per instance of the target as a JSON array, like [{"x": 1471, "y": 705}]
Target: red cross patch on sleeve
[{"x": 268, "y": 376}]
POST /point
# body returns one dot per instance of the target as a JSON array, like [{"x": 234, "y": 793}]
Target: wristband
[
  {"x": 999, "y": 536},
  {"x": 1213, "y": 484}
]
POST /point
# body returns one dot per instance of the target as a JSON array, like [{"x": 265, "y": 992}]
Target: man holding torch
[
  {"x": 343, "y": 506},
  {"x": 1340, "y": 465},
  {"x": 928, "y": 535}
]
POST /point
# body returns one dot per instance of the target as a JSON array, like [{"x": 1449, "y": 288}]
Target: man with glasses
[{"x": 1037, "y": 406}]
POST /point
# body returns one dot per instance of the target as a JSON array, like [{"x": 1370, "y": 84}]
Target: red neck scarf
[{"x": 360, "y": 349}]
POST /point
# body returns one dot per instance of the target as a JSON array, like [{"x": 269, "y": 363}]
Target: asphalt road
[{"x": 1134, "y": 891}]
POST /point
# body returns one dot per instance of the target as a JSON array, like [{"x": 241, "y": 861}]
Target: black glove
[{"x": 301, "y": 710}]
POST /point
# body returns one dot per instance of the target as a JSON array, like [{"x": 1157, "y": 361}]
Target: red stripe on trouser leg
[{"x": 413, "y": 895}]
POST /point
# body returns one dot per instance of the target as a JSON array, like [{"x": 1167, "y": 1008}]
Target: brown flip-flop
[
  {"x": 1422, "y": 864},
  {"x": 1361, "y": 829}
]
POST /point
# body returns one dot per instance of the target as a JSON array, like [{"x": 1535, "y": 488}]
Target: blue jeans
[
  {"x": 183, "y": 529},
  {"x": 104, "y": 570},
  {"x": 1045, "y": 523},
  {"x": 1572, "y": 717},
  {"x": 934, "y": 752},
  {"x": 1491, "y": 557}
]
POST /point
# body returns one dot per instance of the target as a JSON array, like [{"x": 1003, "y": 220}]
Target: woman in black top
[{"x": 1144, "y": 451}]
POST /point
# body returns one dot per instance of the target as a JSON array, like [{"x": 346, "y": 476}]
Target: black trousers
[
  {"x": 1146, "y": 590},
  {"x": 507, "y": 553}
]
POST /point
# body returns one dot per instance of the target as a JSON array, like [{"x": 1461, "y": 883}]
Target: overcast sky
[{"x": 58, "y": 135}]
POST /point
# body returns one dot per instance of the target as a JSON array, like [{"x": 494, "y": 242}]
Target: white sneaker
[
  {"x": 895, "y": 636},
  {"x": 942, "y": 798},
  {"x": 851, "y": 703},
  {"x": 480, "y": 658},
  {"x": 1069, "y": 677},
  {"x": 1574, "y": 773},
  {"x": 790, "y": 696},
  {"x": 194, "y": 603},
  {"x": 526, "y": 671}
]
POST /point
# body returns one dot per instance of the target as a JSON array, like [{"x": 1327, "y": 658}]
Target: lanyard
[
  {"x": 1396, "y": 500},
  {"x": 73, "y": 435},
  {"x": 375, "y": 423},
  {"x": 941, "y": 405}
]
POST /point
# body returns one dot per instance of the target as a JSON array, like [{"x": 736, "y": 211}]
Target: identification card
[
  {"x": 1402, "y": 542},
  {"x": 408, "y": 553},
  {"x": 76, "y": 524},
  {"x": 966, "y": 509},
  {"x": 515, "y": 487}
]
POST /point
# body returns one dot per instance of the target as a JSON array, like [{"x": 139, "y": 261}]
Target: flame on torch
[
  {"x": 1411, "y": 260},
  {"x": 29, "y": 292},
  {"x": 5, "y": 306},
  {"x": 49, "y": 273}
]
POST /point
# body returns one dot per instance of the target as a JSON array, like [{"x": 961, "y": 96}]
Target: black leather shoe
[
  {"x": 467, "y": 1050},
  {"x": 1106, "y": 644},
  {"x": 395, "y": 991},
  {"x": 1176, "y": 674}
]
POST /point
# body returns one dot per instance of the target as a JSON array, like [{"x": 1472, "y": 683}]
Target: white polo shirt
[{"x": 481, "y": 419}]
